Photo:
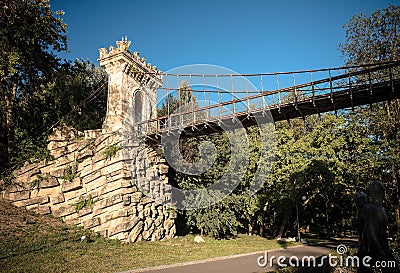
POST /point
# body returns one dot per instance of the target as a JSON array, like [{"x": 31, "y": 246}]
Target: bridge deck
[
  {"x": 344, "y": 91},
  {"x": 360, "y": 95}
]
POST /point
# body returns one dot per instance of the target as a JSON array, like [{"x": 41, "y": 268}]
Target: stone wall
[
  {"x": 85, "y": 188},
  {"x": 98, "y": 179}
]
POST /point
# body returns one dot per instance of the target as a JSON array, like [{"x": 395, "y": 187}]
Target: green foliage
[
  {"x": 7, "y": 179},
  {"x": 28, "y": 149},
  {"x": 30, "y": 34},
  {"x": 70, "y": 172},
  {"x": 86, "y": 202},
  {"x": 37, "y": 89},
  {"x": 234, "y": 213},
  {"x": 327, "y": 161},
  {"x": 111, "y": 151},
  {"x": 373, "y": 38},
  {"x": 35, "y": 184}
]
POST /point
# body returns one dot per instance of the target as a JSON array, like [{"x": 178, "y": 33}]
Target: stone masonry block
[
  {"x": 75, "y": 184},
  {"x": 37, "y": 200},
  {"x": 85, "y": 211},
  {"x": 49, "y": 182},
  {"x": 146, "y": 200},
  {"x": 43, "y": 210},
  {"x": 16, "y": 188},
  {"x": 84, "y": 154},
  {"x": 17, "y": 196},
  {"x": 111, "y": 201},
  {"x": 57, "y": 173},
  {"x": 57, "y": 199},
  {"x": 64, "y": 211},
  {"x": 91, "y": 223}
]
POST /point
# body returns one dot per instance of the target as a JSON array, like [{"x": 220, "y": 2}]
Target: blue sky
[{"x": 245, "y": 36}]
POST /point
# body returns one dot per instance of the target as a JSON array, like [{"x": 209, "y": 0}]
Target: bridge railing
[{"x": 186, "y": 100}]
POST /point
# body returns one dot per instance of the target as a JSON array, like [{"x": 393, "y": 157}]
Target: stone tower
[{"x": 132, "y": 86}]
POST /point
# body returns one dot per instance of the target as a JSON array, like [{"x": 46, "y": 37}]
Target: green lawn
[{"x": 31, "y": 243}]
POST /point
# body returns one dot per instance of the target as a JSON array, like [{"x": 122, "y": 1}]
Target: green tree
[
  {"x": 30, "y": 34},
  {"x": 372, "y": 39},
  {"x": 76, "y": 97}
]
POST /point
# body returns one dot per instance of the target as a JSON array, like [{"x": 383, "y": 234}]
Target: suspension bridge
[{"x": 219, "y": 99}]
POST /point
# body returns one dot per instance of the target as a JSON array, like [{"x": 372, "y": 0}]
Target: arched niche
[{"x": 138, "y": 107}]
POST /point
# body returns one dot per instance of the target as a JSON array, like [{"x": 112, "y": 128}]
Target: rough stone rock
[
  {"x": 15, "y": 188},
  {"x": 126, "y": 199},
  {"x": 158, "y": 234},
  {"x": 163, "y": 169},
  {"x": 135, "y": 197},
  {"x": 168, "y": 223},
  {"x": 57, "y": 172},
  {"x": 173, "y": 215},
  {"x": 147, "y": 211},
  {"x": 148, "y": 224},
  {"x": 198, "y": 239},
  {"x": 171, "y": 232},
  {"x": 136, "y": 232},
  {"x": 146, "y": 200},
  {"x": 159, "y": 220},
  {"x": 147, "y": 234},
  {"x": 86, "y": 153},
  {"x": 125, "y": 225},
  {"x": 110, "y": 201}
]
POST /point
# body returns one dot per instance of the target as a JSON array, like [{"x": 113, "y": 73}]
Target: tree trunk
[
  {"x": 9, "y": 98},
  {"x": 250, "y": 229},
  {"x": 393, "y": 134},
  {"x": 398, "y": 203},
  {"x": 283, "y": 226},
  {"x": 264, "y": 216},
  {"x": 261, "y": 230}
]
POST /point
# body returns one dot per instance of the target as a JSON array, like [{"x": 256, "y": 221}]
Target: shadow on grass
[
  {"x": 285, "y": 245},
  {"x": 333, "y": 243}
]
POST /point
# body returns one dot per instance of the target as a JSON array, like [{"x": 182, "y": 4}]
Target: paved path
[{"x": 244, "y": 263}]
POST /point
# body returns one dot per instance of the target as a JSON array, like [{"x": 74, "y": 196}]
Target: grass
[{"x": 32, "y": 243}]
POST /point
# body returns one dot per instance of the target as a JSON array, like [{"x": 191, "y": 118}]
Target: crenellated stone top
[{"x": 113, "y": 59}]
